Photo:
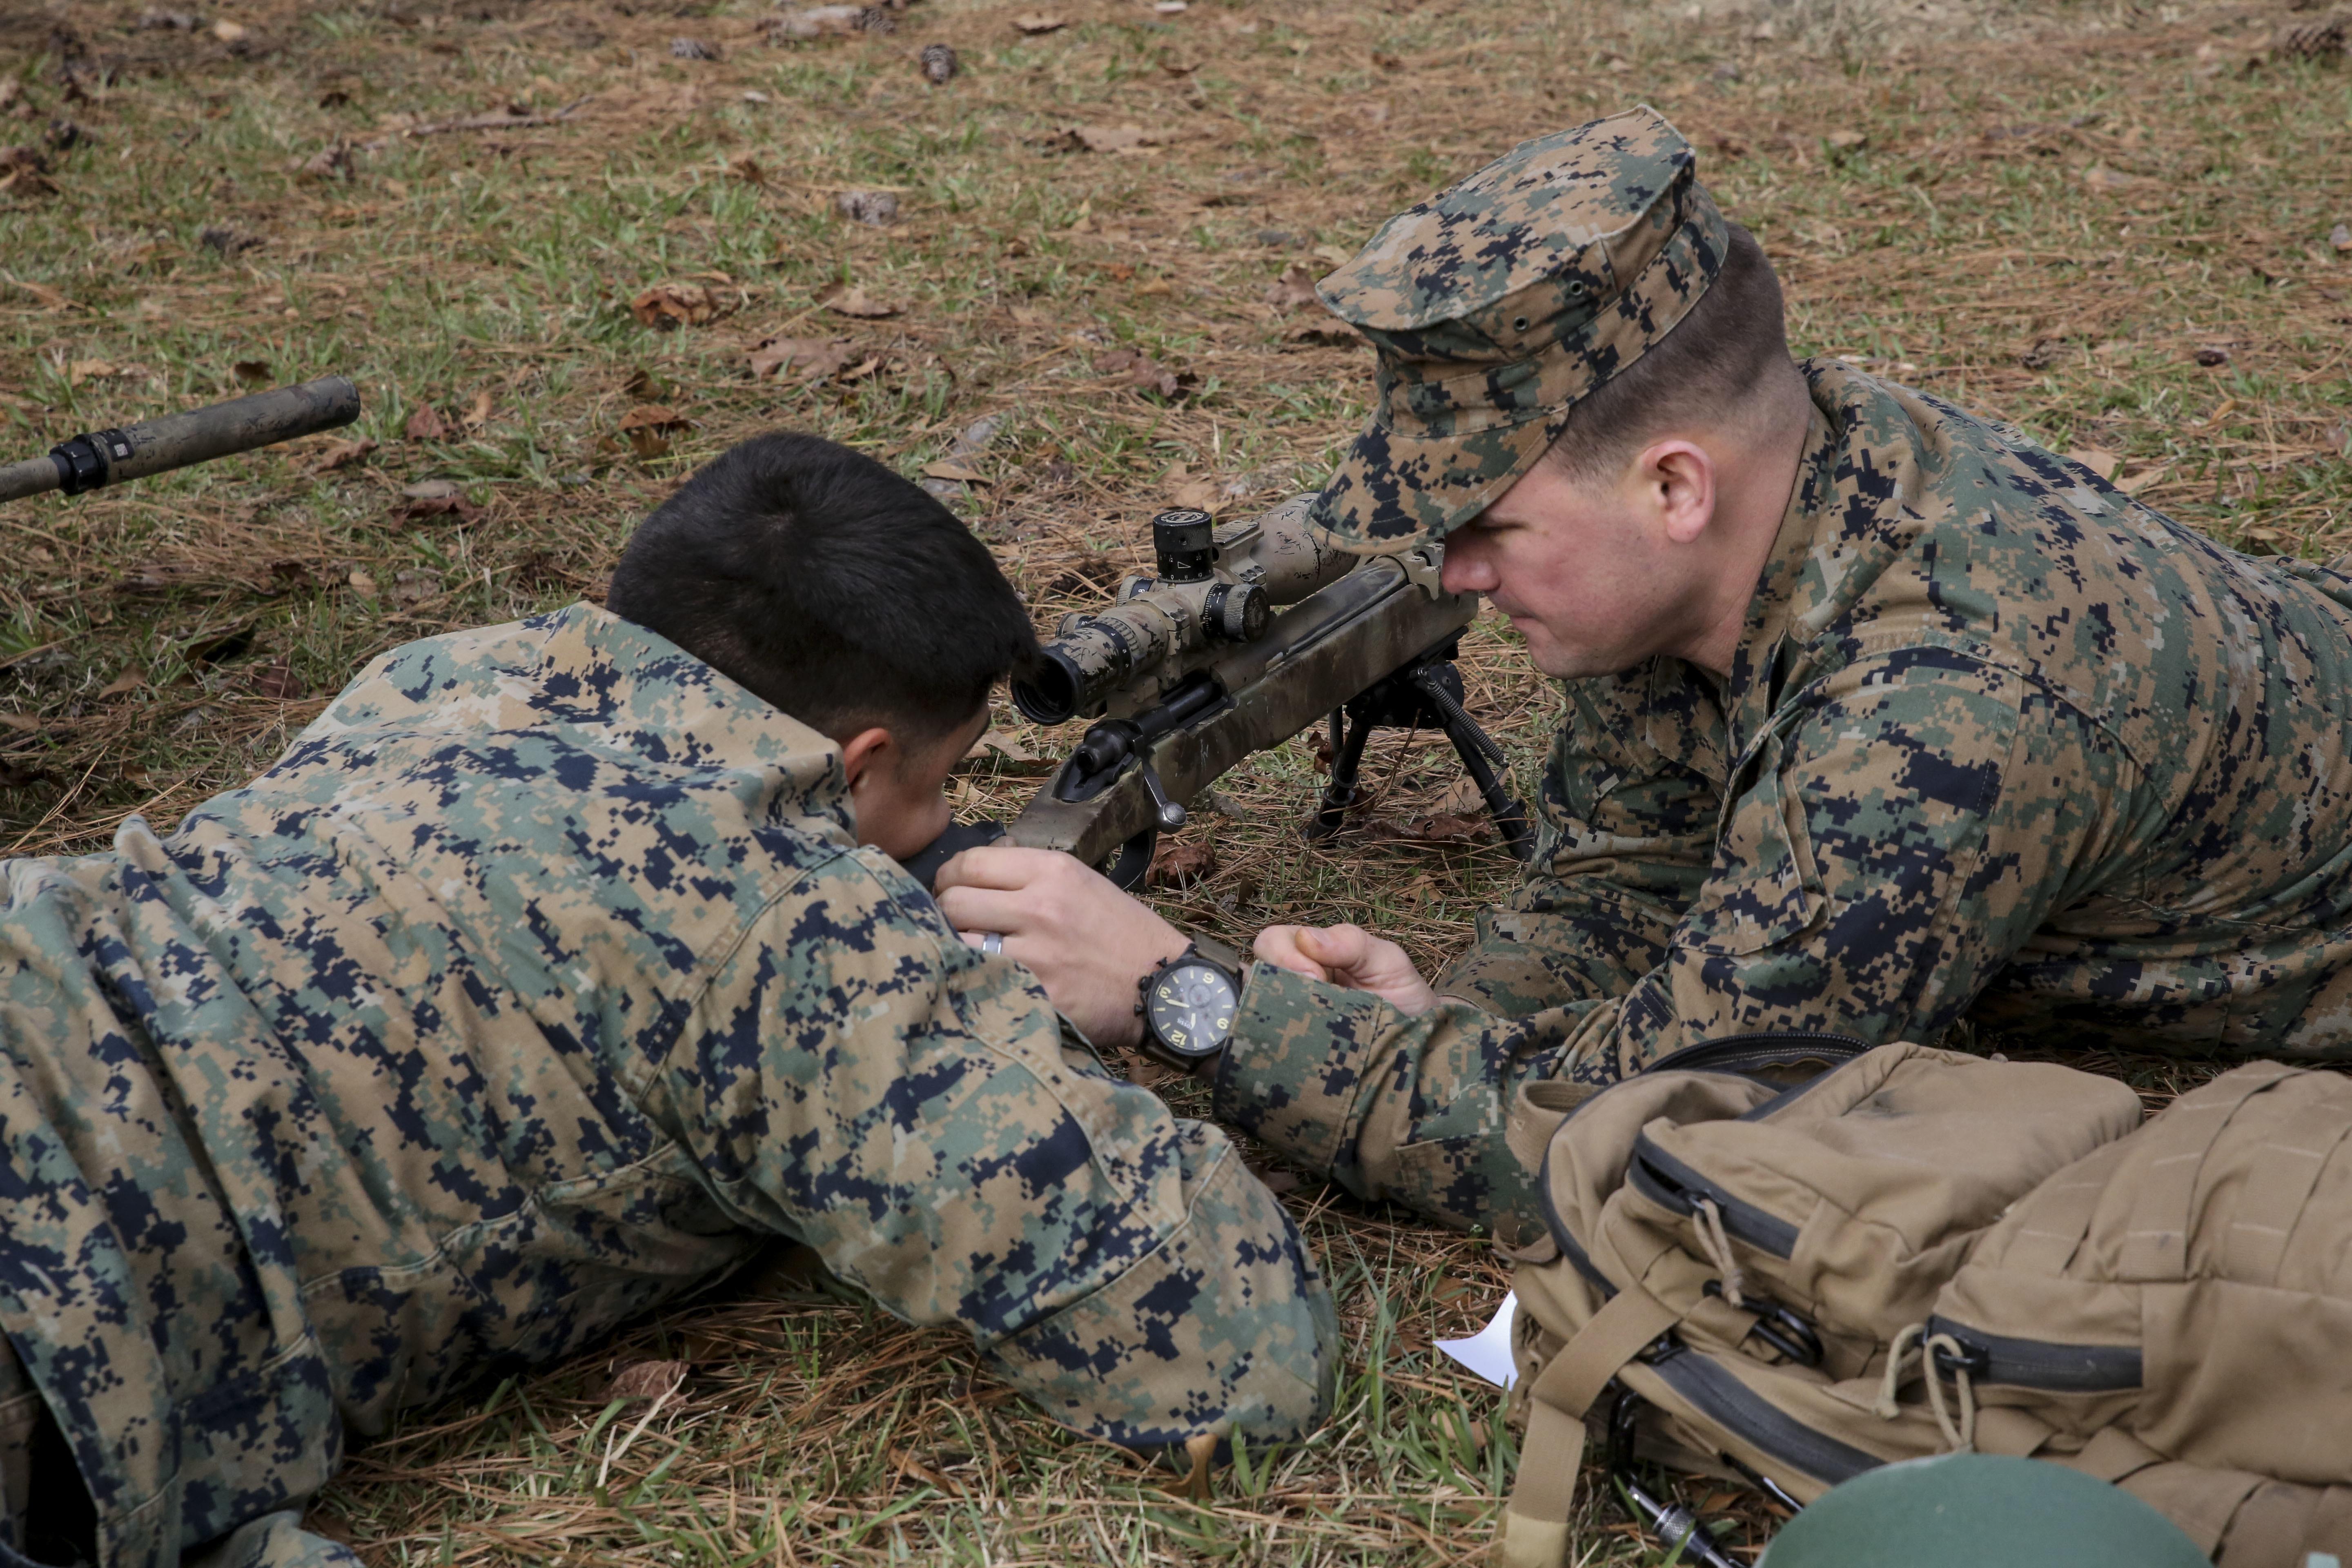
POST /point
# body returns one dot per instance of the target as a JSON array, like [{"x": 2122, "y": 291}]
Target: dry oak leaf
[
  {"x": 1439, "y": 827},
  {"x": 1035, "y": 23},
  {"x": 478, "y": 412},
  {"x": 1141, "y": 371},
  {"x": 649, "y": 1379},
  {"x": 667, "y": 305},
  {"x": 650, "y": 428},
  {"x": 425, "y": 425},
  {"x": 1177, "y": 862},
  {"x": 943, "y": 468},
  {"x": 251, "y": 372},
  {"x": 849, "y": 299},
  {"x": 341, "y": 455},
  {"x": 1333, "y": 333},
  {"x": 278, "y": 681},
  {"x": 1293, "y": 290},
  {"x": 2102, "y": 463},
  {"x": 427, "y": 511},
  {"x": 807, "y": 359}
]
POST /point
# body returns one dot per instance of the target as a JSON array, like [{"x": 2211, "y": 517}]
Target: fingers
[
  {"x": 1006, "y": 868},
  {"x": 985, "y": 909},
  {"x": 1336, "y": 947},
  {"x": 1279, "y": 946}
]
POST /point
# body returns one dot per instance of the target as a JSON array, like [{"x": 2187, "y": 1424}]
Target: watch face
[{"x": 1190, "y": 1008}]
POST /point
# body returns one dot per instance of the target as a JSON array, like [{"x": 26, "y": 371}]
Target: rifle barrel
[{"x": 176, "y": 440}]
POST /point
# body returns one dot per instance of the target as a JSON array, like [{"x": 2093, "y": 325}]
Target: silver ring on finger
[{"x": 992, "y": 942}]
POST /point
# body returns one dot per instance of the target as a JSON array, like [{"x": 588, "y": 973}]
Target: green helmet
[{"x": 1979, "y": 1510}]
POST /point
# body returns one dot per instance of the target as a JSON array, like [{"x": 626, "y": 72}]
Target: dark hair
[
  {"x": 818, "y": 579},
  {"x": 1722, "y": 350}
]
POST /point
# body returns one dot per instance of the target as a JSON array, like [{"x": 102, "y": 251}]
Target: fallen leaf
[
  {"x": 131, "y": 680},
  {"x": 226, "y": 242},
  {"x": 693, "y": 49},
  {"x": 229, "y": 32},
  {"x": 849, "y": 299},
  {"x": 1011, "y": 750},
  {"x": 650, "y": 427},
  {"x": 251, "y": 372},
  {"x": 48, "y": 296},
  {"x": 1388, "y": 62},
  {"x": 411, "y": 588},
  {"x": 428, "y": 509},
  {"x": 2102, "y": 463},
  {"x": 1179, "y": 862},
  {"x": 668, "y": 305},
  {"x": 1445, "y": 1288},
  {"x": 83, "y": 370},
  {"x": 333, "y": 163},
  {"x": 278, "y": 681},
  {"x": 2340, "y": 237},
  {"x": 425, "y": 424},
  {"x": 1846, "y": 139},
  {"x": 2131, "y": 484},
  {"x": 1146, "y": 1072},
  {"x": 1199, "y": 495},
  {"x": 809, "y": 360},
  {"x": 649, "y": 1379},
  {"x": 432, "y": 490},
  {"x": 746, "y": 168},
  {"x": 1036, "y": 22},
  {"x": 1141, "y": 372},
  {"x": 341, "y": 455},
  {"x": 24, "y": 724},
  {"x": 1110, "y": 138},
  {"x": 940, "y": 469},
  {"x": 1294, "y": 290},
  {"x": 1333, "y": 333},
  {"x": 2213, "y": 356},
  {"x": 477, "y": 414},
  {"x": 361, "y": 583},
  {"x": 877, "y": 209},
  {"x": 828, "y": 22},
  {"x": 1435, "y": 827},
  {"x": 2099, "y": 177},
  {"x": 218, "y": 646}
]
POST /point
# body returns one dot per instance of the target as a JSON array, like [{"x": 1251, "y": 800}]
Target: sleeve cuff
[{"x": 1294, "y": 1074}]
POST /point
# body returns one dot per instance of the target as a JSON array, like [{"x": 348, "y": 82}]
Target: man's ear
[
  {"x": 867, "y": 748},
  {"x": 1680, "y": 479}
]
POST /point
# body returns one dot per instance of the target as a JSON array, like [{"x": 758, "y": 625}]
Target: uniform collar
[{"x": 1860, "y": 461}]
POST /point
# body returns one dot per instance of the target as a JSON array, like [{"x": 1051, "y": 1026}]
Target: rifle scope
[
  {"x": 176, "y": 440},
  {"x": 1216, "y": 587}
]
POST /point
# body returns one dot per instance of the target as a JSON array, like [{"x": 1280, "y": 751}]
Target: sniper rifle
[{"x": 1245, "y": 635}]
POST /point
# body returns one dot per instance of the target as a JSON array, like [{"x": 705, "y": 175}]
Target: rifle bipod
[{"x": 1425, "y": 694}]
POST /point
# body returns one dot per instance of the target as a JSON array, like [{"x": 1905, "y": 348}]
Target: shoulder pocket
[{"x": 1764, "y": 888}]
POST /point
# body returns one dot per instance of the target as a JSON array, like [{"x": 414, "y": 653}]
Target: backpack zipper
[
  {"x": 2039, "y": 1363},
  {"x": 1668, "y": 1183}
]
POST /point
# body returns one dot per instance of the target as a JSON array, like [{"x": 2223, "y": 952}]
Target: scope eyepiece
[
  {"x": 1052, "y": 690},
  {"x": 1184, "y": 542}
]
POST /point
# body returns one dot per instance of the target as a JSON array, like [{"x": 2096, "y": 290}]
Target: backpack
[{"x": 1787, "y": 1258}]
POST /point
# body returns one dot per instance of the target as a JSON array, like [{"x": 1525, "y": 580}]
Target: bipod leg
[
  {"x": 1347, "y": 763},
  {"x": 1478, "y": 753}
]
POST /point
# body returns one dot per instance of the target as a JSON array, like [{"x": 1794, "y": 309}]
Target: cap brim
[{"x": 1393, "y": 491}]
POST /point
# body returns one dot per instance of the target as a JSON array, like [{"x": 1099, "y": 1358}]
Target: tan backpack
[{"x": 1787, "y": 1259}]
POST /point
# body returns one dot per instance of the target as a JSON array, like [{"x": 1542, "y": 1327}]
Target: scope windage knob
[
  {"x": 1184, "y": 543},
  {"x": 1236, "y": 612}
]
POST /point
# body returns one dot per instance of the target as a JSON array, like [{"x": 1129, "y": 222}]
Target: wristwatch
[{"x": 1189, "y": 1004}]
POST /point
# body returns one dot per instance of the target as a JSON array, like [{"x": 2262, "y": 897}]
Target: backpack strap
[{"x": 1535, "y": 1520}]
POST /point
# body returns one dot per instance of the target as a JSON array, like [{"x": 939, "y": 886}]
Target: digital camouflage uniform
[
  {"x": 540, "y": 982},
  {"x": 1998, "y": 743}
]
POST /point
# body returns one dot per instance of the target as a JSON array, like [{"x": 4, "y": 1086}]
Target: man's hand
[
  {"x": 1084, "y": 939},
  {"x": 1351, "y": 956}
]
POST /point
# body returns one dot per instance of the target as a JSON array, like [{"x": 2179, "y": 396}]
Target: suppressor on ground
[{"x": 176, "y": 440}]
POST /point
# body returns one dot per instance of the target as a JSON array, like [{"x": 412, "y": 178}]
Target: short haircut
[
  {"x": 1724, "y": 348},
  {"x": 821, "y": 580}
]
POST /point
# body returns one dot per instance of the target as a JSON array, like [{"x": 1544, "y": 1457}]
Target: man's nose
[{"x": 1466, "y": 569}]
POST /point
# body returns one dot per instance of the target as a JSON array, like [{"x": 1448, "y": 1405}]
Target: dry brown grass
[{"x": 2040, "y": 211}]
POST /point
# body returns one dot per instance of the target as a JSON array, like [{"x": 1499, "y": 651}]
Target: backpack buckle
[{"x": 1779, "y": 1327}]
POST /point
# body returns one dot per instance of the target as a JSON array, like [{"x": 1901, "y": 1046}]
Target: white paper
[{"x": 1488, "y": 1352}]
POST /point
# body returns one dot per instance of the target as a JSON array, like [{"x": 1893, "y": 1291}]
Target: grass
[{"x": 2043, "y": 213}]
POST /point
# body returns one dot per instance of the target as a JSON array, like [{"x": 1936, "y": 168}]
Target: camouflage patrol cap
[{"x": 1500, "y": 301}]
